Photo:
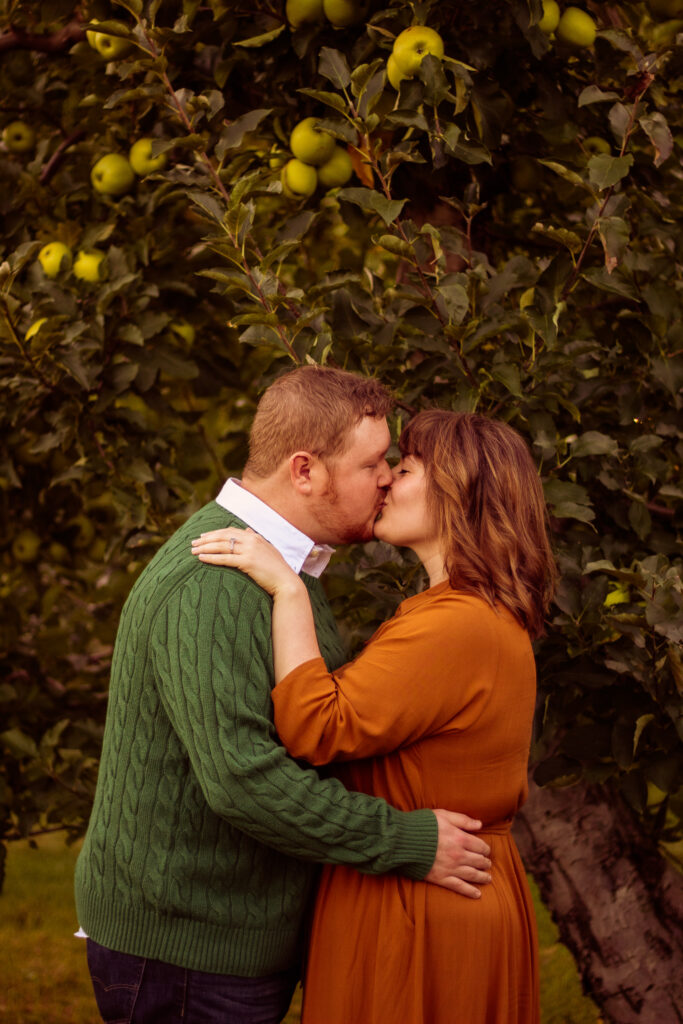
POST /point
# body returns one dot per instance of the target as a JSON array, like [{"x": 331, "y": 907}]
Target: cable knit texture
[{"x": 204, "y": 833}]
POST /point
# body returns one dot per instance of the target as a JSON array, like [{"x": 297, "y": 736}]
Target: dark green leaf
[
  {"x": 593, "y": 94},
  {"x": 659, "y": 134},
  {"x": 605, "y": 171},
  {"x": 396, "y": 245},
  {"x": 640, "y": 519},
  {"x": 232, "y": 136},
  {"x": 209, "y": 205},
  {"x": 330, "y": 99},
  {"x": 333, "y": 66},
  {"x": 362, "y": 74},
  {"x": 18, "y": 743},
  {"x": 614, "y": 235},
  {"x": 373, "y": 202},
  {"x": 594, "y": 443},
  {"x": 456, "y": 301},
  {"x": 254, "y": 42}
]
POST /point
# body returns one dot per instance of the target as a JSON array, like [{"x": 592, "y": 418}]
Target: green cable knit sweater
[{"x": 204, "y": 833}]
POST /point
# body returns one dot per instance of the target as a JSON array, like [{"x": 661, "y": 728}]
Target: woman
[{"x": 435, "y": 711}]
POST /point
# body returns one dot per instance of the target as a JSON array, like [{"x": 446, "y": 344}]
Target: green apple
[
  {"x": 620, "y": 593},
  {"x": 89, "y": 265},
  {"x": 86, "y": 530},
  {"x": 112, "y": 175},
  {"x": 34, "y": 328},
  {"x": 300, "y": 12},
  {"x": 413, "y": 45},
  {"x": 183, "y": 329},
  {"x": 551, "y": 17},
  {"x": 337, "y": 170},
  {"x": 25, "y": 546},
  {"x": 298, "y": 179},
  {"x": 111, "y": 47},
  {"x": 58, "y": 552},
  {"x": 595, "y": 146},
  {"x": 341, "y": 13},
  {"x": 141, "y": 159},
  {"x": 53, "y": 257},
  {"x": 576, "y": 27},
  {"x": 309, "y": 144},
  {"x": 393, "y": 74},
  {"x": 19, "y": 137}
]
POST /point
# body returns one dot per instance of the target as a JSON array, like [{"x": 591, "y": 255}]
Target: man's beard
[{"x": 337, "y": 527}]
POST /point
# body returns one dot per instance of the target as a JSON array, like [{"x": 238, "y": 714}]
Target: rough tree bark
[{"x": 617, "y": 903}]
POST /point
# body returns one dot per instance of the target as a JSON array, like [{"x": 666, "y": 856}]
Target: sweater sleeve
[
  {"x": 212, "y": 662},
  {"x": 423, "y": 672}
]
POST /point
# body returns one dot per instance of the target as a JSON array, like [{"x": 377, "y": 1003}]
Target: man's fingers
[
  {"x": 463, "y": 821},
  {"x": 474, "y": 860},
  {"x": 476, "y": 845},
  {"x": 475, "y": 876},
  {"x": 461, "y": 887}
]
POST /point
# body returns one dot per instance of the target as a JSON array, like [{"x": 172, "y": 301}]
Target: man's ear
[{"x": 301, "y": 468}]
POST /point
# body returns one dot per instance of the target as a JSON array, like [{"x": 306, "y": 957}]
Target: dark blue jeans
[{"x": 134, "y": 990}]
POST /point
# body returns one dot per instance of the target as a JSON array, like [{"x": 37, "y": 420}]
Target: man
[{"x": 196, "y": 871}]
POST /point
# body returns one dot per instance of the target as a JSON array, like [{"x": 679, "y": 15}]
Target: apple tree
[{"x": 480, "y": 204}]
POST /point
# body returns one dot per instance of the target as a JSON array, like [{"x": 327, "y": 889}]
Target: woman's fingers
[
  {"x": 230, "y": 541},
  {"x": 227, "y": 531},
  {"x": 245, "y": 550},
  {"x": 217, "y": 559}
]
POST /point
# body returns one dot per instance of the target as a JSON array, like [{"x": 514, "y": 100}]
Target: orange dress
[{"x": 436, "y": 711}]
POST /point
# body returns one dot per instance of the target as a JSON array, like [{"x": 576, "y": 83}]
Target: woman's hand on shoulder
[{"x": 249, "y": 552}]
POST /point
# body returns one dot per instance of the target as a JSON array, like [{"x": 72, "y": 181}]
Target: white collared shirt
[{"x": 299, "y": 551}]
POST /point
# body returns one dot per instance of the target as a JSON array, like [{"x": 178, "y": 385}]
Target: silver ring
[{"x": 232, "y": 545}]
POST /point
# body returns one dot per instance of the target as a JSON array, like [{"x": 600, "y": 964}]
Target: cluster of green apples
[
  {"x": 410, "y": 48},
  {"x": 56, "y": 258},
  {"x": 114, "y": 174},
  {"x": 339, "y": 13},
  {"x": 18, "y": 137},
  {"x": 317, "y": 159},
  {"x": 571, "y": 26},
  {"x": 108, "y": 46}
]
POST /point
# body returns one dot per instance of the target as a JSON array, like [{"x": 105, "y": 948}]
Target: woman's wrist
[{"x": 290, "y": 589}]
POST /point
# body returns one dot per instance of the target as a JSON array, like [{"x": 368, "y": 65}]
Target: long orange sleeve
[{"x": 428, "y": 669}]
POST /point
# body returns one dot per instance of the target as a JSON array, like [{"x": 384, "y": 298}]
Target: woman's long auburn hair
[{"x": 486, "y": 498}]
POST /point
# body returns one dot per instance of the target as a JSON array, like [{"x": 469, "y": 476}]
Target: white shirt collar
[{"x": 298, "y": 550}]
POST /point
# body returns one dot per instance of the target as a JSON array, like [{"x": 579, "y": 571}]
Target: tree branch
[
  {"x": 16, "y": 39},
  {"x": 58, "y": 155},
  {"x": 639, "y": 90}
]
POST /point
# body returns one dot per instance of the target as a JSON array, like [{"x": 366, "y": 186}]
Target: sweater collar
[{"x": 299, "y": 551}]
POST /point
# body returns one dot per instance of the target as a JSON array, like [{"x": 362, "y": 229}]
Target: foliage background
[{"x": 483, "y": 257}]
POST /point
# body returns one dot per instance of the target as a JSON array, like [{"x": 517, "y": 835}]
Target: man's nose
[{"x": 386, "y": 477}]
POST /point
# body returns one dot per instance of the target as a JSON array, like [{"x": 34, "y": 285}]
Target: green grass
[{"x": 45, "y": 977}]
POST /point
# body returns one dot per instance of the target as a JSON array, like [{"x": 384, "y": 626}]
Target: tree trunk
[{"x": 617, "y": 903}]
